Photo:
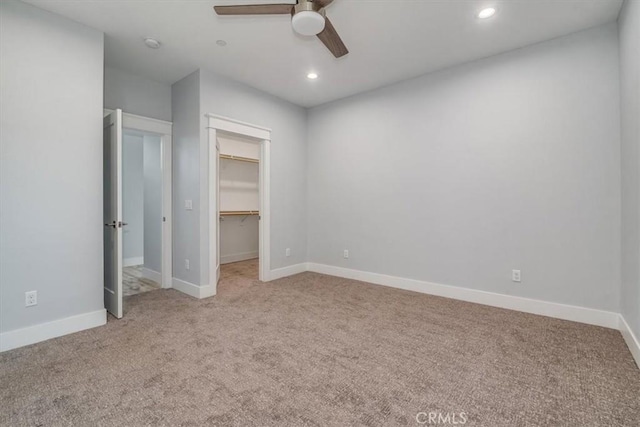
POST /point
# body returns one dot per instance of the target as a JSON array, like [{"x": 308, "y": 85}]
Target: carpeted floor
[{"x": 317, "y": 350}]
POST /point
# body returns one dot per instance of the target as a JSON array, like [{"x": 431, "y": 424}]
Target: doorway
[
  {"x": 239, "y": 187},
  {"x": 142, "y": 212},
  {"x": 137, "y": 200},
  {"x": 239, "y": 205}
]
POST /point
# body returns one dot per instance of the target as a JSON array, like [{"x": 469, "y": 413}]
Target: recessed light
[
  {"x": 152, "y": 43},
  {"x": 221, "y": 43},
  {"x": 312, "y": 76},
  {"x": 487, "y": 13}
]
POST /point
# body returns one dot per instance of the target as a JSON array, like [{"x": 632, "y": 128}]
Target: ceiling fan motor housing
[{"x": 308, "y": 18}]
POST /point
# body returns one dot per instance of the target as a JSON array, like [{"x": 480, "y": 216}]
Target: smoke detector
[{"x": 152, "y": 43}]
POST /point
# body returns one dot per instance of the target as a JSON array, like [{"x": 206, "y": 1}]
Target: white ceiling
[{"x": 389, "y": 40}]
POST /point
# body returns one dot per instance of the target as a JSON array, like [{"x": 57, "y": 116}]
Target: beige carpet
[{"x": 323, "y": 351}]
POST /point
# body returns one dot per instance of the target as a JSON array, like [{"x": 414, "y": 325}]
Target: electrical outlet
[
  {"x": 346, "y": 254},
  {"x": 287, "y": 252},
  {"x": 30, "y": 298},
  {"x": 188, "y": 205},
  {"x": 186, "y": 264},
  {"x": 515, "y": 276}
]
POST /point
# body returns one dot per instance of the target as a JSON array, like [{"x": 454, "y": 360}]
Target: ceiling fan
[{"x": 308, "y": 18}]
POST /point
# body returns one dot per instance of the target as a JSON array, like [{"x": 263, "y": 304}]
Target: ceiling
[{"x": 389, "y": 40}]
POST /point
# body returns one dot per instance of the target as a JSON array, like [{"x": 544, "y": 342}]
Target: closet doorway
[{"x": 238, "y": 200}]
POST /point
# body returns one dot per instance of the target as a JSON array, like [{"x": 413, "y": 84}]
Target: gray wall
[
  {"x": 136, "y": 95},
  {"x": 186, "y": 179},
  {"x": 458, "y": 177},
  {"x": 629, "y": 25},
  {"x": 239, "y": 238},
  {"x": 152, "y": 171},
  {"x": 218, "y": 95},
  {"x": 288, "y": 122},
  {"x": 50, "y": 166},
  {"x": 132, "y": 198}
]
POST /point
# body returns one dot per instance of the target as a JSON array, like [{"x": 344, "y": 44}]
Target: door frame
[
  {"x": 164, "y": 130},
  {"x": 262, "y": 136}
]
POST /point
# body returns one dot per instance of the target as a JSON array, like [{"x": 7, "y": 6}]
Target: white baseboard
[
  {"x": 287, "y": 271},
  {"x": 130, "y": 262},
  {"x": 207, "y": 291},
  {"x": 193, "y": 290},
  {"x": 149, "y": 274},
  {"x": 56, "y": 328},
  {"x": 632, "y": 341},
  {"x": 227, "y": 259},
  {"x": 589, "y": 316}
]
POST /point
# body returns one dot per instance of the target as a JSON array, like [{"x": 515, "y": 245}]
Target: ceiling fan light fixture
[
  {"x": 308, "y": 23},
  {"x": 308, "y": 19}
]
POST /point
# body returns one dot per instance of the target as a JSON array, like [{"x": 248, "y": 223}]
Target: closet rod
[
  {"x": 239, "y": 213},
  {"x": 241, "y": 159}
]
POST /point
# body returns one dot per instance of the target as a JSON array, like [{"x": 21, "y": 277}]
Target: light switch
[{"x": 188, "y": 205}]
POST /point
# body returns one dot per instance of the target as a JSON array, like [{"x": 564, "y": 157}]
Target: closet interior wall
[{"x": 239, "y": 198}]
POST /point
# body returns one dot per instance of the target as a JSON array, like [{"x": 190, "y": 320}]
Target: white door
[
  {"x": 112, "y": 194},
  {"x": 217, "y": 213}
]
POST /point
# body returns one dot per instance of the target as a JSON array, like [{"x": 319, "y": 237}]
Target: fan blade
[
  {"x": 329, "y": 36},
  {"x": 323, "y": 3},
  {"x": 255, "y": 9}
]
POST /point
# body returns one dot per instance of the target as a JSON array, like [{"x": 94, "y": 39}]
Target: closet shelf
[
  {"x": 239, "y": 213},
  {"x": 239, "y": 158}
]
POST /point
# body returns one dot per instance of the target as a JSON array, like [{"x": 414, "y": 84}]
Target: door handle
[{"x": 115, "y": 224}]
